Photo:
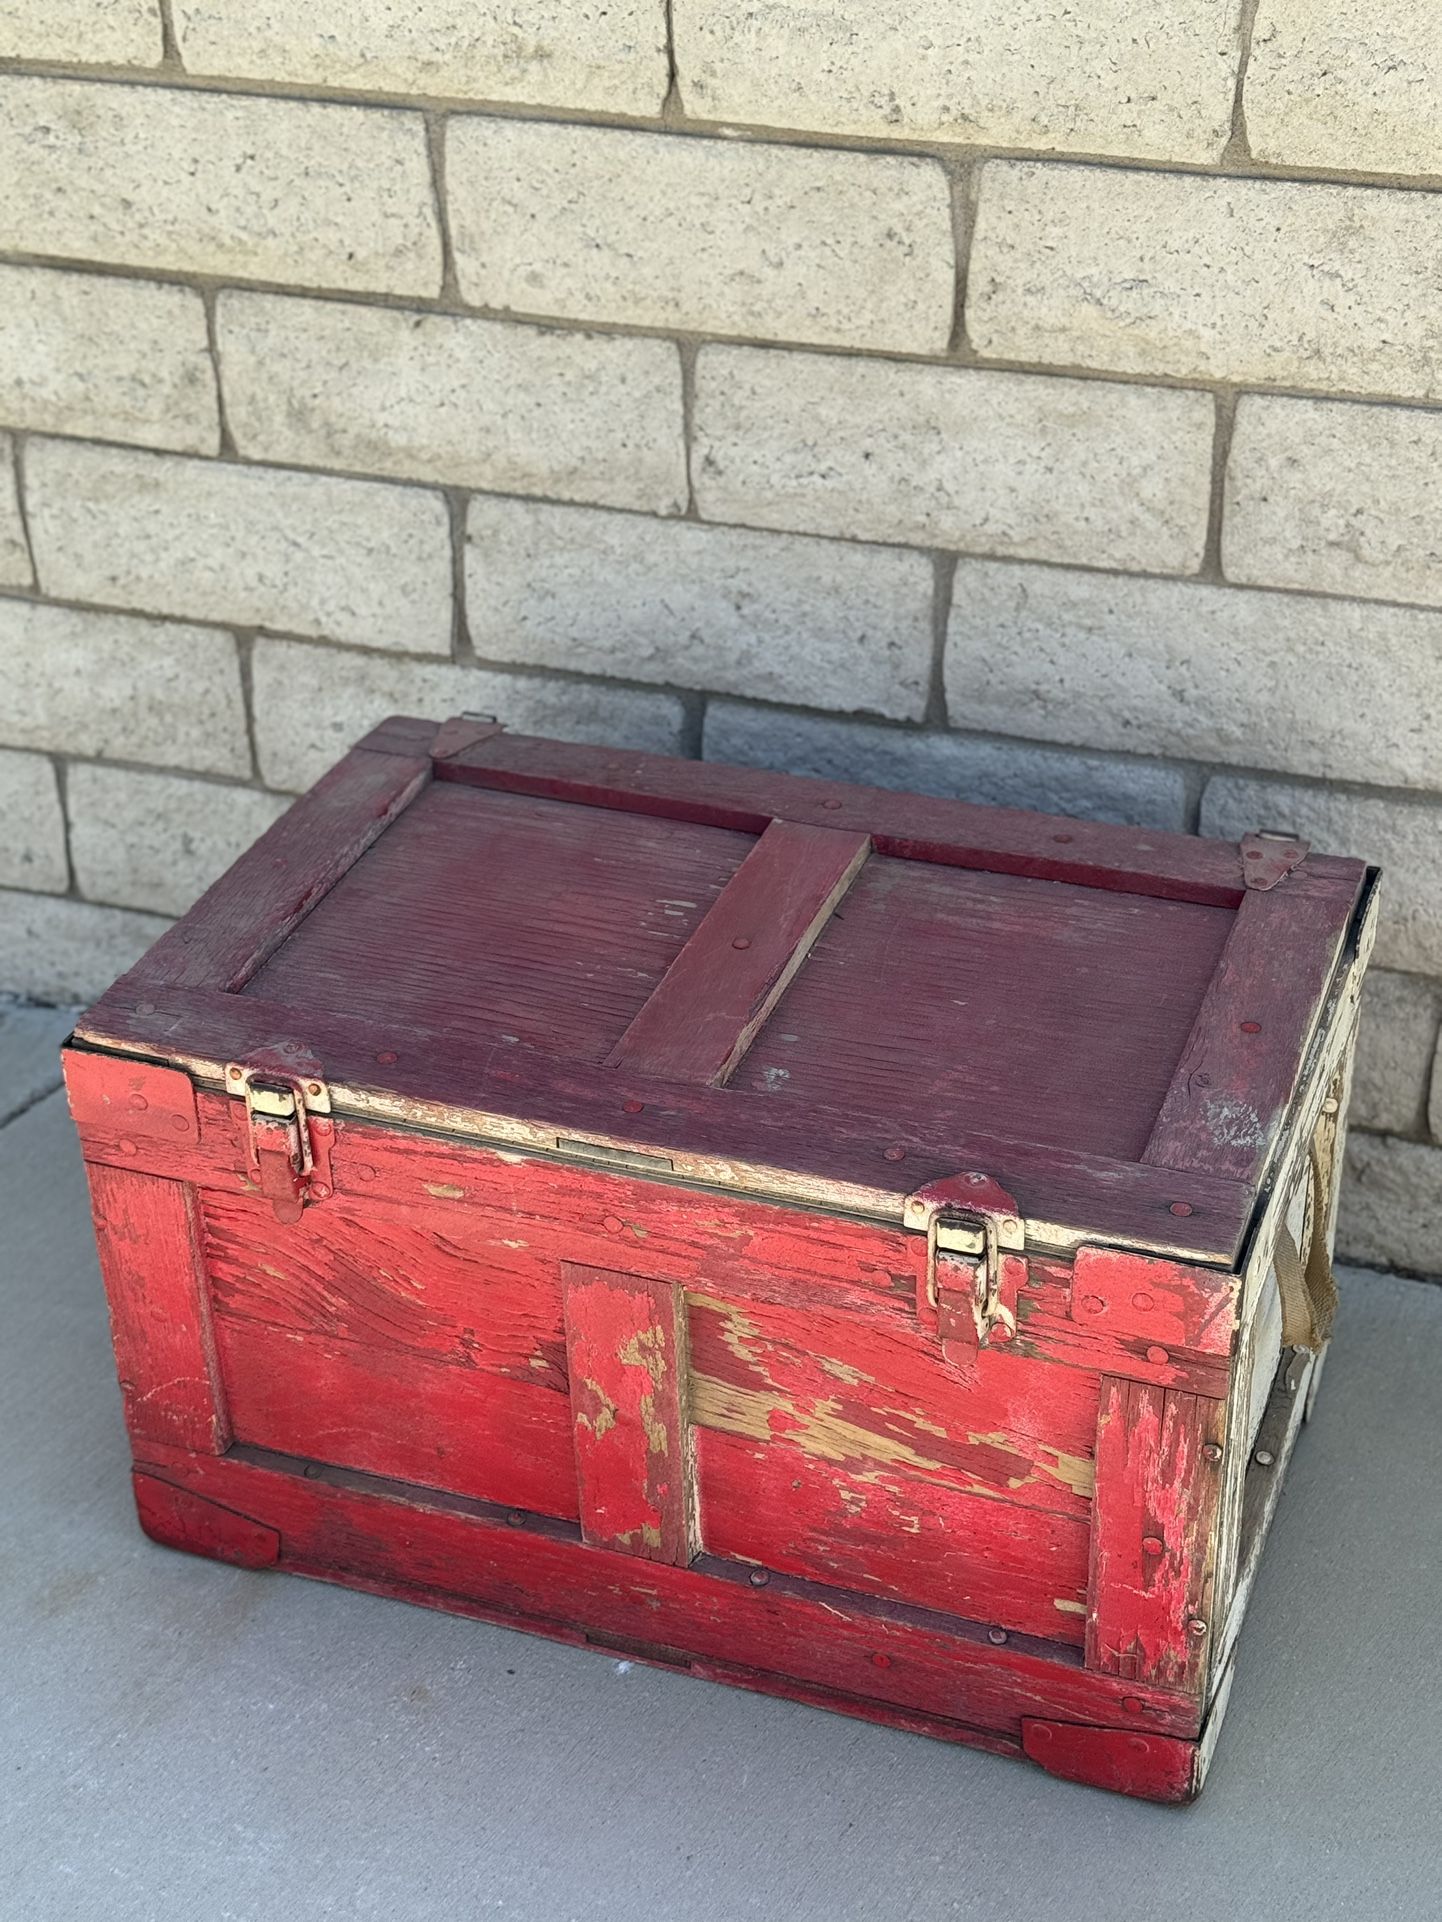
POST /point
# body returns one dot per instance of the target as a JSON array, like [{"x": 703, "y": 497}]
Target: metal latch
[
  {"x": 288, "y": 1133},
  {"x": 971, "y": 1302}
]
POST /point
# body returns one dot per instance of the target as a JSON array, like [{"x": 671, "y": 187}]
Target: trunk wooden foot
[
  {"x": 178, "y": 1519},
  {"x": 1157, "y": 1768}
]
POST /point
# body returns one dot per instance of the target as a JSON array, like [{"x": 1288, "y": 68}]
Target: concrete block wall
[{"x": 1039, "y": 405}]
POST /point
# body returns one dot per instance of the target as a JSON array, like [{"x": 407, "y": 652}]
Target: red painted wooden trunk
[{"x": 821, "y": 1239}]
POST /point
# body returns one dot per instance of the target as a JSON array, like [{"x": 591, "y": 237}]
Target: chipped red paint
[{"x": 1157, "y": 1495}]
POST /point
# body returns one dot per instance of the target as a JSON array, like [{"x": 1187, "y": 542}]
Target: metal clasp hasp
[
  {"x": 288, "y": 1134},
  {"x": 968, "y": 1215}
]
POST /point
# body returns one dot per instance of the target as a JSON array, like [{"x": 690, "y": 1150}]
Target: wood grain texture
[
  {"x": 495, "y": 919},
  {"x": 1033, "y": 1009},
  {"x": 432, "y": 1280},
  {"x": 260, "y": 901},
  {"x": 1157, "y": 1491},
  {"x": 862, "y": 1396},
  {"x": 719, "y": 1137},
  {"x": 724, "y": 983},
  {"x": 1224, "y": 1111},
  {"x": 890, "y": 1532},
  {"x": 394, "y": 1413},
  {"x": 956, "y": 833},
  {"x": 626, "y": 1350},
  {"x": 160, "y": 1320},
  {"x": 541, "y": 1576}
]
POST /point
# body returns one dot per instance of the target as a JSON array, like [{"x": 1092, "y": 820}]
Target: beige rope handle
[{"x": 1308, "y": 1290}]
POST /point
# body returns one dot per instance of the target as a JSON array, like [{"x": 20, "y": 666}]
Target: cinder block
[
  {"x": 997, "y": 463},
  {"x": 118, "y": 33},
  {"x": 32, "y": 826},
  {"x": 218, "y": 183},
  {"x": 1400, "y": 836},
  {"x": 1295, "y": 283},
  {"x": 115, "y": 688},
  {"x": 1051, "y": 74},
  {"x": 157, "y": 841},
  {"x": 671, "y": 231},
  {"x": 1335, "y": 496},
  {"x": 1209, "y": 673},
  {"x": 606, "y": 56},
  {"x": 1337, "y": 86},
  {"x": 1391, "y": 1212},
  {"x": 312, "y": 703},
  {"x": 1395, "y": 1046},
  {"x": 345, "y": 560},
  {"x": 61, "y": 950},
  {"x": 1099, "y": 787},
  {"x": 117, "y": 359},
  {"x": 778, "y": 616},
  {"x": 473, "y": 403}
]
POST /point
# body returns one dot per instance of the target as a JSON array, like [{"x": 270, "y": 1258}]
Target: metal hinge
[
  {"x": 288, "y": 1132},
  {"x": 1269, "y": 855},
  {"x": 969, "y": 1302}
]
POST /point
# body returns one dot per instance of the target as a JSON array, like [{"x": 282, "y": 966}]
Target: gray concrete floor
[{"x": 183, "y": 1742}]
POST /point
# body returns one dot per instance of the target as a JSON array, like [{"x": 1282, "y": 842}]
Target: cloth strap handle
[{"x": 1308, "y": 1289}]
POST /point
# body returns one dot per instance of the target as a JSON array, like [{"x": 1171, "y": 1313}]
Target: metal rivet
[
  {"x": 1158, "y": 1357},
  {"x": 759, "y": 1578},
  {"x": 235, "y": 1074},
  {"x": 321, "y": 1125},
  {"x": 1063, "y": 837},
  {"x": 180, "y": 1124},
  {"x": 742, "y": 941},
  {"x": 612, "y": 1224},
  {"x": 516, "y": 1518},
  {"x": 138, "y": 1102},
  {"x": 1196, "y": 1626},
  {"x": 386, "y": 1055},
  {"x": 312, "y": 1470},
  {"x": 312, "y": 1087},
  {"x": 1180, "y": 1208},
  {"x": 1143, "y": 1301},
  {"x": 126, "y": 1147},
  {"x": 632, "y": 1107},
  {"x": 1000, "y": 1333},
  {"x": 320, "y": 1191},
  {"x": 997, "y": 1635},
  {"x": 365, "y": 1174},
  {"x": 894, "y": 1154},
  {"x": 831, "y": 804},
  {"x": 1212, "y": 1451},
  {"x": 1251, "y": 1027},
  {"x": 1153, "y": 1544},
  {"x": 1133, "y": 1704},
  {"x": 145, "y": 1007},
  {"x": 881, "y": 1661},
  {"x": 1254, "y": 854},
  {"x": 1093, "y": 1304},
  {"x": 1264, "y": 1457}
]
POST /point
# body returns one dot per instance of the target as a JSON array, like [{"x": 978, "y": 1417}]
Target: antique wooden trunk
[{"x": 868, "y": 1249}]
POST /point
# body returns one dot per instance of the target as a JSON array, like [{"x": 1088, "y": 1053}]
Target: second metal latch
[{"x": 968, "y": 1215}]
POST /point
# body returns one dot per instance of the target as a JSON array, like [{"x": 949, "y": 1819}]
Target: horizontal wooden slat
[
  {"x": 721, "y": 1137},
  {"x": 399, "y": 1414},
  {"x": 449, "y": 1552},
  {"x": 891, "y": 1533},
  {"x": 720, "y": 988},
  {"x": 953, "y": 833}
]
